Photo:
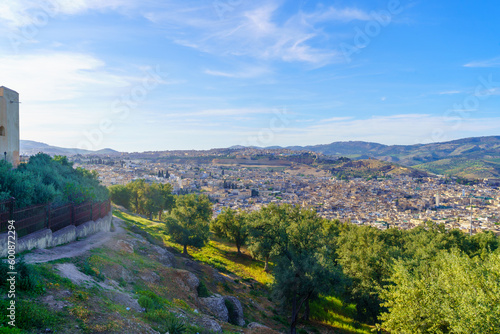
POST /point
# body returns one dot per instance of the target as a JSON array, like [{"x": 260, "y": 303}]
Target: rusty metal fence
[{"x": 34, "y": 218}]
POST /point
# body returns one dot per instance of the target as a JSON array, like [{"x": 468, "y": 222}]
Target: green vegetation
[
  {"x": 454, "y": 293},
  {"x": 463, "y": 167},
  {"x": 188, "y": 224},
  {"x": 143, "y": 198},
  {"x": 232, "y": 225},
  {"x": 44, "y": 180},
  {"x": 216, "y": 252}
]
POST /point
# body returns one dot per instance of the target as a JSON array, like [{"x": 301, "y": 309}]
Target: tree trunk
[
  {"x": 266, "y": 265},
  {"x": 185, "y": 251},
  {"x": 305, "y": 316},
  {"x": 239, "y": 251},
  {"x": 293, "y": 324}
]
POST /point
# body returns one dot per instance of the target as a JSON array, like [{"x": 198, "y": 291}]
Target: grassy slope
[
  {"x": 65, "y": 307},
  {"x": 222, "y": 256},
  {"x": 466, "y": 168}
]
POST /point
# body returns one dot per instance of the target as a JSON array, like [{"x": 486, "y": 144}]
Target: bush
[
  {"x": 203, "y": 291},
  {"x": 27, "y": 279},
  {"x": 147, "y": 303},
  {"x": 166, "y": 322},
  {"x": 10, "y": 330},
  {"x": 29, "y": 315},
  {"x": 44, "y": 180}
]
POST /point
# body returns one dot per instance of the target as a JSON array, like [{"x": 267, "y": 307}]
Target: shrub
[
  {"x": 10, "y": 330},
  {"x": 202, "y": 290},
  {"x": 147, "y": 303}
]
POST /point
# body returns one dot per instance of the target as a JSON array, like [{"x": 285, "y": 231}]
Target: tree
[
  {"x": 264, "y": 231},
  {"x": 366, "y": 258},
  {"x": 188, "y": 223},
  {"x": 137, "y": 189},
  {"x": 120, "y": 195},
  {"x": 232, "y": 224},
  {"x": 302, "y": 270},
  {"x": 451, "y": 294},
  {"x": 157, "y": 198}
]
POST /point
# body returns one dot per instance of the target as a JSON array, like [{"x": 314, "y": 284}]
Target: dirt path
[{"x": 76, "y": 248}]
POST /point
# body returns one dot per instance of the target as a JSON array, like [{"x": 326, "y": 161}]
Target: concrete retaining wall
[{"x": 46, "y": 238}]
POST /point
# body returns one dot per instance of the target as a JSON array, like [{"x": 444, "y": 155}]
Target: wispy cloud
[
  {"x": 395, "y": 129},
  {"x": 336, "y": 14},
  {"x": 56, "y": 76},
  {"x": 245, "y": 73},
  {"x": 223, "y": 112},
  {"x": 256, "y": 30},
  {"x": 450, "y": 92},
  {"x": 494, "y": 62},
  {"x": 20, "y": 13}
]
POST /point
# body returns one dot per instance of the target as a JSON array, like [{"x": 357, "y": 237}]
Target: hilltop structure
[{"x": 9, "y": 125}]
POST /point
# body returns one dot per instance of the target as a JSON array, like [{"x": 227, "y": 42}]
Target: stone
[
  {"x": 209, "y": 324},
  {"x": 187, "y": 280},
  {"x": 216, "y": 306},
  {"x": 236, "y": 313},
  {"x": 164, "y": 256},
  {"x": 254, "y": 325}
]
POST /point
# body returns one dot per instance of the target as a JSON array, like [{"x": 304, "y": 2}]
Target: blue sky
[{"x": 158, "y": 75}]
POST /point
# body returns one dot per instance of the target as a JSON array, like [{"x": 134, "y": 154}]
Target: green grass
[
  {"x": 222, "y": 256},
  {"x": 331, "y": 311},
  {"x": 217, "y": 253}
]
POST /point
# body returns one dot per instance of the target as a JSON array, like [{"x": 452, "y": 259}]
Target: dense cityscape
[{"x": 399, "y": 201}]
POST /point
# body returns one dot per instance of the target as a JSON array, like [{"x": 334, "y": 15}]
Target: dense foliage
[
  {"x": 143, "y": 198},
  {"x": 188, "y": 223},
  {"x": 44, "y": 180},
  {"x": 233, "y": 225},
  {"x": 423, "y": 280}
]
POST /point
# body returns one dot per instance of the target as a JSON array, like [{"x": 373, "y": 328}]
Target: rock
[
  {"x": 254, "y": 325},
  {"x": 235, "y": 312},
  {"x": 209, "y": 324},
  {"x": 164, "y": 256},
  {"x": 193, "y": 266},
  {"x": 125, "y": 246},
  {"x": 218, "y": 277},
  {"x": 150, "y": 277},
  {"x": 216, "y": 307},
  {"x": 187, "y": 280}
]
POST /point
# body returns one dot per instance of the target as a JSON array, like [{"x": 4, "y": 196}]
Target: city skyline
[{"x": 137, "y": 76}]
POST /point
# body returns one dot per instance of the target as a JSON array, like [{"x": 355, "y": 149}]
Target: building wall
[{"x": 9, "y": 120}]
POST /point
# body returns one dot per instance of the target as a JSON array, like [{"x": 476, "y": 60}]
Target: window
[{"x": 2, "y": 131}]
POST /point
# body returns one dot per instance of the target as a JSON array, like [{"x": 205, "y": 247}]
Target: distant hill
[
  {"x": 477, "y": 157},
  {"x": 373, "y": 168},
  {"x": 29, "y": 147}
]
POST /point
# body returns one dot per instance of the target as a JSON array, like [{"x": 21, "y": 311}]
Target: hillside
[
  {"x": 469, "y": 157},
  {"x": 29, "y": 147},
  {"x": 369, "y": 168},
  {"x": 138, "y": 282}
]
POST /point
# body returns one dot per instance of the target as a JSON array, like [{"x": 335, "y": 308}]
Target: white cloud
[
  {"x": 494, "y": 62},
  {"x": 223, "y": 112},
  {"x": 245, "y": 73},
  {"x": 450, "y": 92},
  {"x": 56, "y": 76},
  {"x": 257, "y": 30},
  {"x": 21, "y": 13},
  {"x": 396, "y": 129},
  {"x": 336, "y": 14}
]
